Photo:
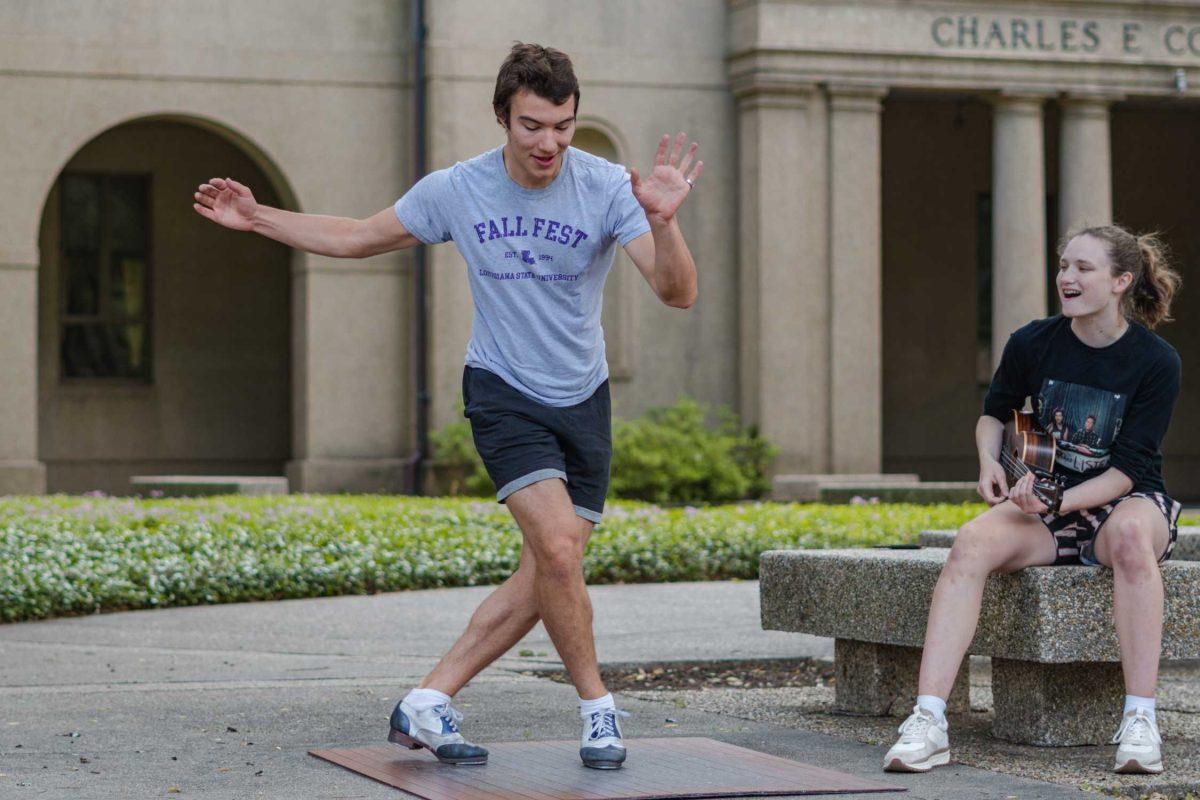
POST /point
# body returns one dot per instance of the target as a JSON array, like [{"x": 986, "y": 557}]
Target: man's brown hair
[{"x": 542, "y": 70}]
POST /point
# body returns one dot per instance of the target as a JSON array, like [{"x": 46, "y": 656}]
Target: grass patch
[{"x": 76, "y": 555}]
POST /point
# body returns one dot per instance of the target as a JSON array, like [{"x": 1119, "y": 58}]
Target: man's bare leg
[
  {"x": 557, "y": 537},
  {"x": 553, "y": 534},
  {"x": 500, "y": 621},
  {"x": 548, "y": 584},
  {"x": 507, "y": 614}
]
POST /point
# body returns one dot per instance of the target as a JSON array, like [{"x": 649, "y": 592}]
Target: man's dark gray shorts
[{"x": 522, "y": 441}]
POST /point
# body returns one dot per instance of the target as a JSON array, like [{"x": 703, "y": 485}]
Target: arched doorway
[{"x": 163, "y": 340}]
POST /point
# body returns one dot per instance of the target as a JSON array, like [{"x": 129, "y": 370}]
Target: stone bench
[
  {"x": 1187, "y": 546},
  {"x": 206, "y": 485},
  {"x": 807, "y": 488},
  {"x": 1056, "y": 673},
  {"x": 898, "y": 492}
]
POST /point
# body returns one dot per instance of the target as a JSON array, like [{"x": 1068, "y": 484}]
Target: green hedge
[
  {"x": 61, "y": 555},
  {"x": 670, "y": 455}
]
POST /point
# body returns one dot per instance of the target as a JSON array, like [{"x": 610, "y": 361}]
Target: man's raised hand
[
  {"x": 226, "y": 202},
  {"x": 662, "y": 192}
]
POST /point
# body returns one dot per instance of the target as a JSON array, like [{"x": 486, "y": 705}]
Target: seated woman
[{"x": 1096, "y": 361}]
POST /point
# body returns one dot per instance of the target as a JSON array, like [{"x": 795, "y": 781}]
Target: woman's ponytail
[{"x": 1155, "y": 285}]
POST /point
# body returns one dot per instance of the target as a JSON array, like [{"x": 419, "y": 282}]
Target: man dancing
[{"x": 537, "y": 222}]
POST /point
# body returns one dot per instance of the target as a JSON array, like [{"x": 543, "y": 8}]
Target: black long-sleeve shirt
[{"x": 1127, "y": 389}]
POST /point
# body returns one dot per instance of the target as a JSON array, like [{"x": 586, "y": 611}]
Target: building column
[
  {"x": 20, "y": 470},
  {"x": 1018, "y": 217},
  {"x": 784, "y": 269},
  {"x": 1085, "y": 163},
  {"x": 855, "y": 264},
  {"x": 351, "y": 402}
]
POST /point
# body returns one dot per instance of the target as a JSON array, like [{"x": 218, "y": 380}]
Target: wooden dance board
[{"x": 657, "y": 768}]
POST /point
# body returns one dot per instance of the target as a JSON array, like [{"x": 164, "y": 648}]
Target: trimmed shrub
[
  {"x": 670, "y": 455},
  {"x": 457, "y": 467}
]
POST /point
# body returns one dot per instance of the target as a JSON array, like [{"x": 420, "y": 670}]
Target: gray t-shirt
[{"x": 536, "y": 260}]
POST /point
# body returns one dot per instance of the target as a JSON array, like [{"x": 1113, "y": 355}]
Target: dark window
[
  {"x": 105, "y": 319},
  {"x": 983, "y": 273}
]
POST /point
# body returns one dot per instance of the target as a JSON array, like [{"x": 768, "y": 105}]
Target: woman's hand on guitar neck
[
  {"x": 1023, "y": 497},
  {"x": 993, "y": 487}
]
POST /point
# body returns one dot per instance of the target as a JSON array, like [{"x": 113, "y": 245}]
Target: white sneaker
[
  {"x": 923, "y": 744},
  {"x": 435, "y": 729},
  {"x": 1139, "y": 744},
  {"x": 602, "y": 746}
]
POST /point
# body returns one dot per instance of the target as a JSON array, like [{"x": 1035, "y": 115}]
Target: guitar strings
[
  {"x": 1013, "y": 462},
  {"x": 1017, "y": 464}
]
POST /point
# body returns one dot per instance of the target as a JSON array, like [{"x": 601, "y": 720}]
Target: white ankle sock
[
  {"x": 1132, "y": 702},
  {"x": 933, "y": 703},
  {"x": 589, "y": 707},
  {"x": 422, "y": 699}
]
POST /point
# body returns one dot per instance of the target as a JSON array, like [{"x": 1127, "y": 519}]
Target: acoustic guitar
[{"x": 1028, "y": 449}]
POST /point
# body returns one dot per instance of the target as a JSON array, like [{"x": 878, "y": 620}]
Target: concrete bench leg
[
  {"x": 881, "y": 679},
  {"x": 1056, "y": 704}
]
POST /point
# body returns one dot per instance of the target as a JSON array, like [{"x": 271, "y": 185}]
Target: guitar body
[
  {"x": 1028, "y": 445},
  {"x": 1029, "y": 449}
]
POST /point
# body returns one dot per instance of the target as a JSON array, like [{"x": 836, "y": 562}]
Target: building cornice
[
  {"x": 1073, "y": 5},
  {"x": 772, "y": 89},
  {"x": 1122, "y": 49}
]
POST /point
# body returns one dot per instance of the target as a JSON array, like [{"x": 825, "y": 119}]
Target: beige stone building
[{"x": 884, "y": 185}]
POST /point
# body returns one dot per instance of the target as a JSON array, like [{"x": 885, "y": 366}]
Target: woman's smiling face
[{"x": 1086, "y": 283}]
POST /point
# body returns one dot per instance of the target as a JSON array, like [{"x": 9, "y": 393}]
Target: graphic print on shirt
[
  {"x": 539, "y": 228},
  {"x": 1083, "y": 420}
]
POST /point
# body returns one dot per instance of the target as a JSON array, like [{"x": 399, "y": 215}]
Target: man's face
[
  {"x": 539, "y": 132},
  {"x": 1089, "y": 424}
]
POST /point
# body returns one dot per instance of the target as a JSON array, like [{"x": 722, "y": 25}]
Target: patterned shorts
[{"x": 1075, "y": 532}]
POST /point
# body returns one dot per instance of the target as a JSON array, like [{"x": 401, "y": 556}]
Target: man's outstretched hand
[
  {"x": 226, "y": 202},
  {"x": 662, "y": 192}
]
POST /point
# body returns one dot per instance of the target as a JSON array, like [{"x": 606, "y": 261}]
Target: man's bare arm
[
  {"x": 662, "y": 256},
  {"x": 231, "y": 204},
  {"x": 339, "y": 237}
]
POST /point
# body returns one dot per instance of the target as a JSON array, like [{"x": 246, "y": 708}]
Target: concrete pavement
[{"x": 225, "y": 701}]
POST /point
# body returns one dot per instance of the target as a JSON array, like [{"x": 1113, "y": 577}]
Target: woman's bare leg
[
  {"x": 1131, "y": 541},
  {"x": 1002, "y": 539}
]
